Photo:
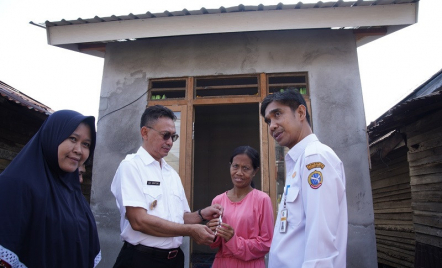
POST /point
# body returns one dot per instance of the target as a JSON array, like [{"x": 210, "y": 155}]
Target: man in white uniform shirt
[
  {"x": 151, "y": 199},
  {"x": 311, "y": 226}
]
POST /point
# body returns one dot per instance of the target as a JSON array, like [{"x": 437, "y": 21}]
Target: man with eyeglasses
[
  {"x": 154, "y": 211},
  {"x": 311, "y": 226}
]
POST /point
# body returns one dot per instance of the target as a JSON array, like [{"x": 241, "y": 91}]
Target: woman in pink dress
[{"x": 246, "y": 231}]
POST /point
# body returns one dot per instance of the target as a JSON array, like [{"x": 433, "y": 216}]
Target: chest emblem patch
[{"x": 315, "y": 179}]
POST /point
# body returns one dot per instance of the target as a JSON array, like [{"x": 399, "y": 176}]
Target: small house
[
  {"x": 213, "y": 67},
  {"x": 406, "y": 179}
]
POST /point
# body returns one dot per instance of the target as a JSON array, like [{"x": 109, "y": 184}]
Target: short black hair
[
  {"x": 289, "y": 97},
  {"x": 152, "y": 113}
]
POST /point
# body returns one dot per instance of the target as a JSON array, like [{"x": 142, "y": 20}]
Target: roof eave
[{"x": 393, "y": 17}]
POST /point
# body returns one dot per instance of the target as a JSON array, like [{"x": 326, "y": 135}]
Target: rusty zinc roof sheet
[{"x": 18, "y": 97}]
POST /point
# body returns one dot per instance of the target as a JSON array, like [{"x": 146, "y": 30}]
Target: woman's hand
[
  {"x": 212, "y": 224},
  {"x": 225, "y": 231}
]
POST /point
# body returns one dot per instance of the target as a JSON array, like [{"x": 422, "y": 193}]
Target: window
[
  {"x": 226, "y": 86},
  {"x": 167, "y": 89}
]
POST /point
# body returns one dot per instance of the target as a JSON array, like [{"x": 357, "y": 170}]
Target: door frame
[{"x": 186, "y": 106}]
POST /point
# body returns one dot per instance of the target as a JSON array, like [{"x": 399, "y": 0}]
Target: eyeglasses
[
  {"x": 166, "y": 135},
  {"x": 244, "y": 169}
]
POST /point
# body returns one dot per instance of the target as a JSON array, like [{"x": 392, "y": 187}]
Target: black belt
[{"x": 157, "y": 252}]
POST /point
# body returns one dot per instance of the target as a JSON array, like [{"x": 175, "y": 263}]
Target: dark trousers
[{"x": 131, "y": 257}]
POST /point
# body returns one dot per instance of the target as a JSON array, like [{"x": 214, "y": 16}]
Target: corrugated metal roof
[
  {"x": 404, "y": 113},
  {"x": 239, "y": 8},
  {"x": 18, "y": 97}
]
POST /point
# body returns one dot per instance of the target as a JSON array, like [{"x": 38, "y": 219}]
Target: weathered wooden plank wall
[
  {"x": 393, "y": 215},
  {"x": 18, "y": 125},
  {"x": 424, "y": 140}
]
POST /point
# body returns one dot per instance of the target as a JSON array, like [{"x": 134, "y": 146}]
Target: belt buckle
[{"x": 172, "y": 254}]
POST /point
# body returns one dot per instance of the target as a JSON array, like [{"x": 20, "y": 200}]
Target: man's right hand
[{"x": 201, "y": 234}]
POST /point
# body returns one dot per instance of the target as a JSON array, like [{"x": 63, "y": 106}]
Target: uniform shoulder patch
[
  {"x": 315, "y": 165},
  {"x": 315, "y": 179}
]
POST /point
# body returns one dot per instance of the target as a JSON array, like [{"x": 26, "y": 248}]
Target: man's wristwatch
[{"x": 201, "y": 216}]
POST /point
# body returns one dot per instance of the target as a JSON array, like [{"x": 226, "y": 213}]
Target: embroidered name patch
[
  {"x": 153, "y": 183},
  {"x": 315, "y": 179},
  {"x": 315, "y": 165}
]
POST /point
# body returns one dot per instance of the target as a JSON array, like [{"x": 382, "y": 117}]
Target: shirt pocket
[
  {"x": 178, "y": 207},
  {"x": 294, "y": 206},
  {"x": 153, "y": 195}
]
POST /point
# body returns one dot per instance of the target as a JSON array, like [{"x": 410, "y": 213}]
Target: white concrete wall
[{"x": 328, "y": 56}]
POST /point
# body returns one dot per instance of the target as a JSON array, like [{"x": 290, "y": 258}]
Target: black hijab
[{"x": 45, "y": 220}]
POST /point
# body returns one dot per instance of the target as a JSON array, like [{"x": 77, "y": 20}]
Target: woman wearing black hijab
[{"x": 45, "y": 220}]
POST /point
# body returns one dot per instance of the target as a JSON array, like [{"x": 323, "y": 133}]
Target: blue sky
[{"x": 390, "y": 67}]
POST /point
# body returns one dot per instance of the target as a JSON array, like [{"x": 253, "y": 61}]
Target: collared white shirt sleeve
[
  {"x": 323, "y": 194},
  {"x": 128, "y": 186}
]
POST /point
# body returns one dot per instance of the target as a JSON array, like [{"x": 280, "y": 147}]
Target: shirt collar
[
  {"x": 299, "y": 148},
  {"x": 148, "y": 159}
]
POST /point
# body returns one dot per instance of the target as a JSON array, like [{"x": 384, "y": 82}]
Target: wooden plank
[
  {"x": 262, "y": 87},
  {"x": 10, "y": 145},
  {"x": 426, "y": 179},
  {"x": 394, "y": 216},
  {"x": 3, "y": 164},
  {"x": 405, "y": 253},
  {"x": 15, "y": 135},
  {"x": 426, "y": 169},
  {"x": 167, "y": 89},
  {"x": 382, "y": 149},
  {"x": 224, "y": 100},
  {"x": 407, "y": 243},
  {"x": 427, "y": 196},
  {"x": 432, "y": 240},
  {"x": 426, "y": 145},
  {"x": 188, "y": 186},
  {"x": 393, "y": 157},
  {"x": 397, "y": 204},
  {"x": 264, "y": 137},
  {"x": 397, "y": 187},
  {"x": 403, "y": 232},
  {"x": 288, "y": 85},
  {"x": 435, "y": 134},
  {"x": 377, "y": 196},
  {"x": 394, "y": 260},
  {"x": 427, "y": 187},
  {"x": 393, "y": 210},
  {"x": 227, "y": 87},
  {"x": 391, "y": 264},
  {"x": 273, "y": 175},
  {"x": 167, "y": 102},
  {"x": 433, "y": 155},
  {"x": 426, "y": 124},
  {"x": 396, "y": 170},
  {"x": 392, "y": 222},
  {"x": 393, "y": 180},
  {"x": 422, "y": 206},
  {"x": 393, "y": 197},
  {"x": 6, "y": 154},
  {"x": 432, "y": 219}
]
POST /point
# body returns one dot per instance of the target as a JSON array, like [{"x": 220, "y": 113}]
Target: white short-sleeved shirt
[
  {"x": 317, "y": 209},
  {"x": 140, "y": 181}
]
